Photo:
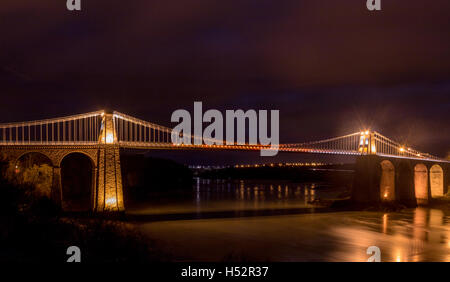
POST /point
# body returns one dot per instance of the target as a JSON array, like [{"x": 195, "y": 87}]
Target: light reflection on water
[
  {"x": 258, "y": 192},
  {"x": 420, "y": 234},
  {"x": 415, "y": 235},
  {"x": 240, "y": 195}
]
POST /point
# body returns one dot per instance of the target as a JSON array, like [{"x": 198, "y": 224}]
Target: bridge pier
[
  {"x": 405, "y": 184},
  {"x": 56, "y": 191},
  {"x": 406, "y": 181},
  {"x": 447, "y": 179},
  {"x": 366, "y": 183},
  {"x": 369, "y": 182},
  {"x": 108, "y": 192}
]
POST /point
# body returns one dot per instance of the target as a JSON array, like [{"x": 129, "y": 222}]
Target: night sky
[{"x": 330, "y": 67}]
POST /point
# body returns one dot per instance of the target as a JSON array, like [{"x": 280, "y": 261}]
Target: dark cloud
[{"x": 331, "y": 67}]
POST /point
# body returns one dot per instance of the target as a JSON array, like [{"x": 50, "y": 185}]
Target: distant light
[
  {"x": 385, "y": 195},
  {"x": 402, "y": 149},
  {"x": 367, "y": 132}
]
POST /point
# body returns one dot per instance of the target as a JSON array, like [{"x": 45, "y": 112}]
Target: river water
[{"x": 283, "y": 221}]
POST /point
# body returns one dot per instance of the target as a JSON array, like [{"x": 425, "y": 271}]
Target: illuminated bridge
[{"x": 385, "y": 170}]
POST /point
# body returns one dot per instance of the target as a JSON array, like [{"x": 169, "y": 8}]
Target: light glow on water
[{"x": 265, "y": 222}]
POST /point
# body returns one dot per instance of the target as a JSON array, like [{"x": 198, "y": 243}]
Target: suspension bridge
[{"x": 100, "y": 136}]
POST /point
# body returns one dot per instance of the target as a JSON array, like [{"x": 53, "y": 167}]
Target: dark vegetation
[
  {"x": 143, "y": 177},
  {"x": 339, "y": 174},
  {"x": 33, "y": 229}
]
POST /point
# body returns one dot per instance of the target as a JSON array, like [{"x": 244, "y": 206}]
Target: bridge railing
[
  {"x": 135, "y": 132},
  {"x": 132, "y": 130},
  {"x": 343, "y": 145},
  {"x": 359, "y": 143},
  {"x": 70, "y": 130},
  {"x": 387, "y": 147}
]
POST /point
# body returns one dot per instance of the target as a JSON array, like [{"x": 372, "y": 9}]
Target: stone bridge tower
[{"x": 108, "y": 195}]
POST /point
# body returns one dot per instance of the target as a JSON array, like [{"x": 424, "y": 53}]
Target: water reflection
[
  {"x": 412, "y": 235},
  {"x": 208, "y": 190}
]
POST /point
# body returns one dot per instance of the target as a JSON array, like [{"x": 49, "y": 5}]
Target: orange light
[
  {"x": 111, "y": 201},
  {"x": 402, "y": 149},
  {"x": 109, "y": 138}
]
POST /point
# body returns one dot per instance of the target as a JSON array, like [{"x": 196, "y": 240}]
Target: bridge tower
[
  {"x": 367, "y": 143},
  {"x": 108, "y": 194}
]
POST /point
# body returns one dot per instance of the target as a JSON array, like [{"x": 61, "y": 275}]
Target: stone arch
[
  {"x": 21, "y": 155},
  {"x": 87, "y": 154},
  {"x": 421, "y": 183},
  {"x": 34, "y": 169},
  {"x": 436, "y": 181},
  {"x": 387, "y": 181},
  {"x": 77, "y": 181}
]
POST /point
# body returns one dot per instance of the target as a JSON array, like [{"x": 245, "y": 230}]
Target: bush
[{"x": 33, "y": 229}]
